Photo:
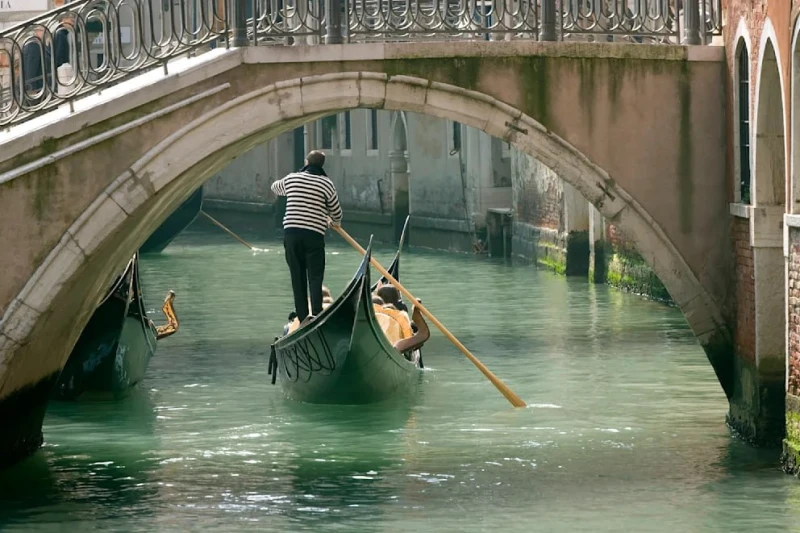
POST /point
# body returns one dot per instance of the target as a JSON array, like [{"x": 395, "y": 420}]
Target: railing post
[
  {"x": 691, "y": 22},
  {"x": 547, "y": 29},
  {"x": 333, "y": 22},
  {"x": 239, "y": 26}
]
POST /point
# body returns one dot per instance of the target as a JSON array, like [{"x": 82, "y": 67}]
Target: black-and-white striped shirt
[{"x": 310, "y": 200}]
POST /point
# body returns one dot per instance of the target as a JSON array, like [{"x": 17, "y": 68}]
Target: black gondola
[
  {"x": 343, "y": 356},
  {"x": 115, "y": 347},
  {"x": 178, "y": 221}
]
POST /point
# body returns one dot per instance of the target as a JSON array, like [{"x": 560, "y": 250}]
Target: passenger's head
[
  {"x": 326, "y": 292},
  {"x": 315, "y": 158},
  {"x": 389, "y": 294},
  {"x": 377, "y": 300}
]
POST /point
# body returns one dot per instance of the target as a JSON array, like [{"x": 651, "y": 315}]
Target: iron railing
[{"x": 92, "y": 44}]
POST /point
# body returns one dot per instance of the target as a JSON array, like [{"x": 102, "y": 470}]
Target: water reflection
[{"x": 95, "y": 461}]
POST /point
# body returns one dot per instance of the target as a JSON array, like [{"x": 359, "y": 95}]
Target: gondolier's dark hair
[{"x": 316, "y": 158}]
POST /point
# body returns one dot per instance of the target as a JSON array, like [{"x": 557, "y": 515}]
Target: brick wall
[
  {"x": 617, "y": 238},
  {"x": 626, "y": 269},
  {"x": 794, "y": 311},
  {"x": 745, "y": 321},
  {"x": 538, "y": 195}
]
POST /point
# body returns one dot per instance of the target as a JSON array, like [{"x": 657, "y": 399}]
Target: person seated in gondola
[
  {"x": 394, "y": 323},
  {"x": 391, "y": 297},
  {"x": 410, "y": 347},
  {"x": 293, "y": 323},
  {"x": 327, "y": 299}
]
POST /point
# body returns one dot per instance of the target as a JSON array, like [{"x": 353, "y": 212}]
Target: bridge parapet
[{"x": 90, "y": 45}]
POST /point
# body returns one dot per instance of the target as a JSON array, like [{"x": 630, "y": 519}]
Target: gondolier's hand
[{"x": 333, "y": 224}]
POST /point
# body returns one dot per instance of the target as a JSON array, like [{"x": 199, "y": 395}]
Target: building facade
[{"x": 761, "y": 40}]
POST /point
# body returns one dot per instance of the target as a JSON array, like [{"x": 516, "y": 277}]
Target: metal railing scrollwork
[{"x": 91, "y": 44}]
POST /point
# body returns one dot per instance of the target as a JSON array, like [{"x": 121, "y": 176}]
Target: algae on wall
[{"x": 626, "y": 269}]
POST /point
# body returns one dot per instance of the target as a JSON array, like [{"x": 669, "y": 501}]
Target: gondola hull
[
  {"x": 343, "y": 357},
  {"x": 115, "y": 348},
  {"x": 178, "y": 221}
]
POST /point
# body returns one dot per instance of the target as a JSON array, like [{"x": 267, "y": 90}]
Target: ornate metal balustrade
[
  {"x": 91, "y": 44},
  {"x": 88, "y": 45}
]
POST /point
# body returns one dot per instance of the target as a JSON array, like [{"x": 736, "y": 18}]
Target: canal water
[{"x": 624, "y": 429}]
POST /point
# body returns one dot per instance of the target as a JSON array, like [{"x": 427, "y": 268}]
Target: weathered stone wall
[
  {"x": 791, "y": 444},
  {"x": 539, "y": 225},
  {"x": 626, "y": 269},
  {"x": 793, "y": 381},
  {"x": 246, "y": 179},
  {"x": 547, "y": 232}
]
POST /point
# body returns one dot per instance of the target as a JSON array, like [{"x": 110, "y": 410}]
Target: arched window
[{"x": 743, "y": 97}]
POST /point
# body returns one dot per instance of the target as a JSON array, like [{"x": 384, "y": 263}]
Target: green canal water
[{"x": 624, "y": 430}]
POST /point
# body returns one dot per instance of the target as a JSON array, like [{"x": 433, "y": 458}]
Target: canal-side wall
[
  {"x": 791, "y": 442},
  {"x": 556, "y": 228},
  {"x": 539, "y": 227},
  {"x": 626, "y": 269}
]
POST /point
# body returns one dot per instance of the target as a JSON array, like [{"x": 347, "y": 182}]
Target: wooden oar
[
  {"x": 232, "y": 234},
  {"x": 508, "y": 393}
]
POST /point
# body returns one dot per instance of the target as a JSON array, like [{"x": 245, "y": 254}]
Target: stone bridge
[{"x": 637, "y": 129}]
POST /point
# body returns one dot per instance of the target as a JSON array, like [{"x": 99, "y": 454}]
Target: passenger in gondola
[
  {"x": 391, "y": 296},
  {"x": 293, "y": 323},
  {"x": 409, "y": 347},
  {"x": 327, "y": 299}
]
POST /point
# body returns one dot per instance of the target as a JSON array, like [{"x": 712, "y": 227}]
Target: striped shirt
[{"x": 310, "y": 200}]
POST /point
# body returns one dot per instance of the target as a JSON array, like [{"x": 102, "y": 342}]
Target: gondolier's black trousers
[{"x": 305, "y": 255}]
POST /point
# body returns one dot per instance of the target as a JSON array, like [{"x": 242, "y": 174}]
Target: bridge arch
[{"x": 99, "y": 242}]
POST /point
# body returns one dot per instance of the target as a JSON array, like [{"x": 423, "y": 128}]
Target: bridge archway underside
[{"x": 636, "y": 129}]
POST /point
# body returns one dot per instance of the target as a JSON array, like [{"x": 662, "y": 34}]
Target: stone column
[
  {"x": 577, "y": 228},
  {"x": 398, "y": 166},
  {"x": 597, "y": 246},
  {"x": 758, "y": 392}
]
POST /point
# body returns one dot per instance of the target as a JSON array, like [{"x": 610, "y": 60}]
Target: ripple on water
[{"x": 624, "y": 429}]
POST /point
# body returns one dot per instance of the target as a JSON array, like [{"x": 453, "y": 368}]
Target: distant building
[{"x": 387, "y": 165}]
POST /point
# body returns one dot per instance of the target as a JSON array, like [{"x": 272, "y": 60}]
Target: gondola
[
  {"x": 178, "y": 221},
  {"x": 115, "y": 347},
  {"x": 343, "y": 356}
]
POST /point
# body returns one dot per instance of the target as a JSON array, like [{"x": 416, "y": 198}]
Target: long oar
[
  {"x": 232, "y": 234},
  {"x": 508, "y": 393}
]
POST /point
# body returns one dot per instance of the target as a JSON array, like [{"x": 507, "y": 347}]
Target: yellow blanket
[{"x": 393, "y": 323}]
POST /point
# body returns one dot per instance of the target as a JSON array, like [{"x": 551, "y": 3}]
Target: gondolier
[{"x": 311, "y": 206}]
